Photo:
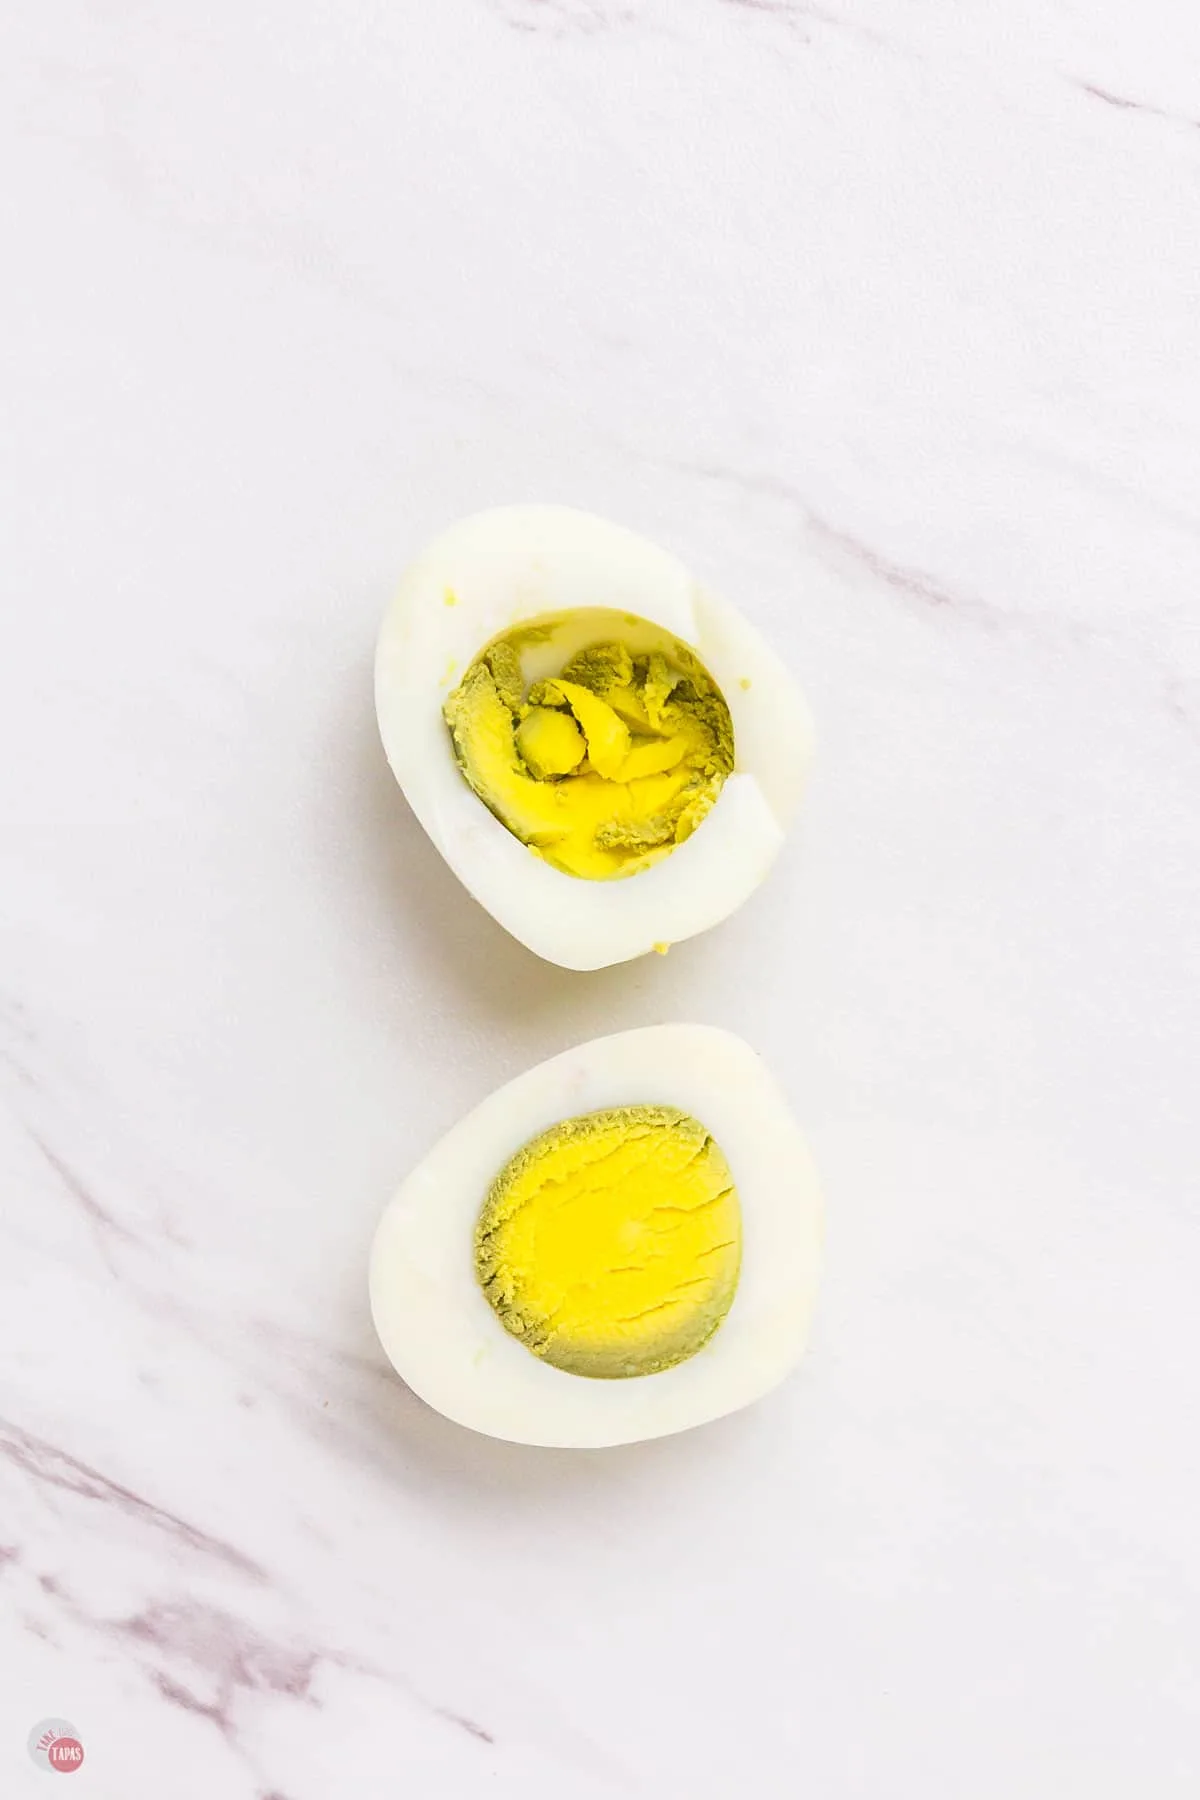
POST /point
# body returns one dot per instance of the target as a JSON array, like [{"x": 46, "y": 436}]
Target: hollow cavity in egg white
[{"x": 505, "y": 568}]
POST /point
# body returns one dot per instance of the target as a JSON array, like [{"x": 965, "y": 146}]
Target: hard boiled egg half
[
  {"x": 606, "y": 754},
  {"x": 621, "y": 1243}
]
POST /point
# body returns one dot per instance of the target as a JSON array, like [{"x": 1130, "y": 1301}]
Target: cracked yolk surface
[
  {"x": 611, "y": 1244},
  {"x": 603, "y": 768}
]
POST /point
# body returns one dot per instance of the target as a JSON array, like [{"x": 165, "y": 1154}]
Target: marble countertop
[{"x": 885, "y": 318}]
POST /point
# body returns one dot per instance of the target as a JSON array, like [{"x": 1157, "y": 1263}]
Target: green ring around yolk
[{"x": 610, "y": 1245}]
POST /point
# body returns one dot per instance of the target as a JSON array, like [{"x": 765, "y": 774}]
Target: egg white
[
  {"x": 439, "y": 1330},
  {"x": 503, "y": 568}
]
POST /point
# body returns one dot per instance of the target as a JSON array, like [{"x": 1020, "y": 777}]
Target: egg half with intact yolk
[
  {"x": 606, "y": 754},
  {"x": 621, "y": 1243}
]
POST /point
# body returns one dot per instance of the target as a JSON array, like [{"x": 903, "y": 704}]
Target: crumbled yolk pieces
[
  {"x": 550, "y": 742},
  {"x": 603, "y": 768},
  {"x": 611, "y": 1244}
]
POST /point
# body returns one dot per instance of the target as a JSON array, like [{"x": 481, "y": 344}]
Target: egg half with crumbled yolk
[
  {"x": 621, "y": 1243},
  {"x": 607, "y": 755}
]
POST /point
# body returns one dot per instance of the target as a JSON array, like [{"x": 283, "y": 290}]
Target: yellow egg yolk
[
  {"x": 611, "y": 1244},
  {"x": 603, "y": 768}
]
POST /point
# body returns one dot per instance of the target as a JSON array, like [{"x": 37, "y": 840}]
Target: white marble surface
[{"x": 885, "y": 316}]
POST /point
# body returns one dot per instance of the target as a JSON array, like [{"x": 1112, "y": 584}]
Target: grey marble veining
[{"x": 885, "y": 319}]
